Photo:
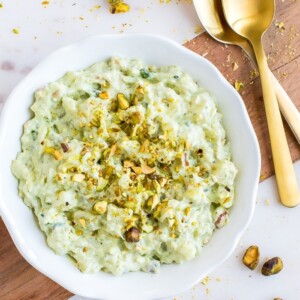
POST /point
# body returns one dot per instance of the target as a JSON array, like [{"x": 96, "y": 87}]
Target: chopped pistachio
[
  {"x": 136, "y": 117},
  {"x": 119, "y": 8},
  {"x": 132, "y": 235},
  {"x": 144, "y": 146},
  {"x": 113, "y": 150},
  {"x": 65, "y": 147},
  {"x": 108, "y": 172},
  {"x": 78, "y": 232},
  {"x": 122, "y": 101},
  {"x": 54, "y": 152},
  {"x": 147, "y": 228},
  {"x": 128, "y": 164},
  {"x": 146, "y": 169},
  {"x": 137, "y": 170},
  {"x": 162, "y": 181},
  {"x": 238, "y": 85},
  {"x": 140, "y": 90},
  {"x": 105, "y": 84},
  {"x": 100, "y": 207},
  {"x": 82, "y": 222},
  {"x": 103, "y": 95},
  {"x": 171, "y": 222},
  {"x": 153, "y": 201},
  {"x": 139, "y": 188},
  {"x": 279, "y": 25},
  {"x": 156, "y": 185},
  {"x": 15, "y": 31},
  {"x": 187, "y": 211},
  {"x": 78, "y": 177}
]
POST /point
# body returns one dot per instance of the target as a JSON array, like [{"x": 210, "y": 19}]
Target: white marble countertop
[
  {"x": 60, "y": 23},
  {"x": 44, "y": 28}
]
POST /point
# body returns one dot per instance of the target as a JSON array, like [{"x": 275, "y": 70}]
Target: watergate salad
[{"x": 126, "y": 166}]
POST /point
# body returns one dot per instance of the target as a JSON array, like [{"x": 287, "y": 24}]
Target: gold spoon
[
  {"x": 212, "y": 18},
  {"x": 250, "y": 19}
]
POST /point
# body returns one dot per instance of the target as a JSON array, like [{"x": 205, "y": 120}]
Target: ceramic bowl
[{"x": 172, "y": 279}]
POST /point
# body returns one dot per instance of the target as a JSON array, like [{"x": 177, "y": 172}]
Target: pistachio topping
[
  {"x": 100, "y": 207},
  {"x": 123, "y": 102},
  {"x": 56, "y": 154},
  {"x": 132, "y": 235}
]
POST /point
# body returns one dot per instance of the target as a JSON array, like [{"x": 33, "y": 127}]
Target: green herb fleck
[
  {"x": 34, "y": 135},
  {"x": 144, "y": 73}
]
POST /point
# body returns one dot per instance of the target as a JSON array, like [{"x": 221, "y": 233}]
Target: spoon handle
[
  {"x": 285, "y": 174},
  {"x": 286, "y": 105},
  {"x": 287, "y": 108}
]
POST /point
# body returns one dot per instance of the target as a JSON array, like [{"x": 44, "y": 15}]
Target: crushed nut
[
  {"x": 82, "y": 222},
  {"x": 146, "y": 169},
  {"x": 238, "y": 85},
  {"x": 137, "y": 170},
  {"x": 122, "y": 101},
  {"x": 78, "y": 177},
  {"x": 108, "y": 172},
  {"x": 103, "y": 95},
  {"x": 272, "y": 266},
  {"x": 163, "y": 182},
  {"x": 136, "y": 117},
  {"x": 144, "y": 146},
  {"x": 65, "y": 147},
  {"x": 117, "y": 8},
  {"x": 187, "y": 211},
  {"x": 222, "y": 219},
  {"x": 128, "y": 164},
  {"x": 147, "y": 228},
  {"x": 57, "y": 155},
  {"x": 251, "y": 257},
  {"x": 100, "y": 207},
  {"x": 132, "y": 235},
  {"x": 156, "y": 185},
  {"x": 152, "y": 202}
]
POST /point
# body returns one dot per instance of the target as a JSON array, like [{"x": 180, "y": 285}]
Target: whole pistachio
[
  {"x": 132, "y": 235},
  {"x": 251, "y": 257},
  {"x": 272, "y": 266}
]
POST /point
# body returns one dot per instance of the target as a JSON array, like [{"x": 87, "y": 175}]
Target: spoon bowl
[
  {"x": 212, "y": 18},
  {"x": 250, "y": 19}
]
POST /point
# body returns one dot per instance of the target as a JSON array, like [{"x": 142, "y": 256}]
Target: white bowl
[{"x": 172, "y": 279}]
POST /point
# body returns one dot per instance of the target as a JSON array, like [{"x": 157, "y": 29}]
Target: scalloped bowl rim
[{"x": 173, "y": 279}]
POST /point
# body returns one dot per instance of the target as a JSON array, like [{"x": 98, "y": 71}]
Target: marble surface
[{"x": 30, "y": 30}]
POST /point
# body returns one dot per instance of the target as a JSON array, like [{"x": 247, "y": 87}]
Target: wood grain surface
[{"x": 20, "y": 281}]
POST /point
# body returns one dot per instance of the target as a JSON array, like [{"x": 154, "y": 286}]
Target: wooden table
[{"x": 20, "y": 281}]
